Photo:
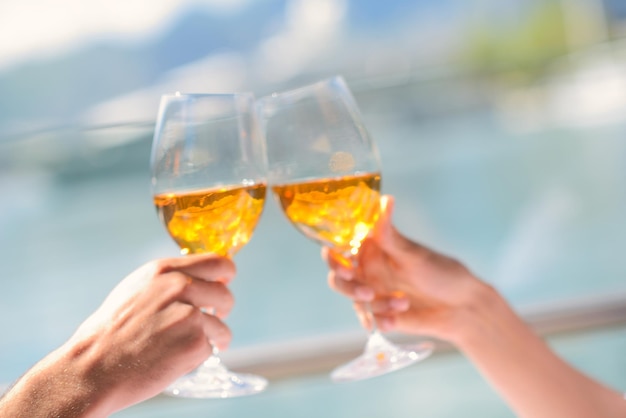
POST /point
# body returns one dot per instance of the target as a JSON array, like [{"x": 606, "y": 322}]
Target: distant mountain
[{"x": 54, "y": 91}]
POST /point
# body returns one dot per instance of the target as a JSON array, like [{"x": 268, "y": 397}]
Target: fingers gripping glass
[
  {"x": 324, "y": 171},
  {"x": 209, "y": 186}
]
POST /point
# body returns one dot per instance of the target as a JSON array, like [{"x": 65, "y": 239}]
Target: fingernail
[
  {"x": 345, "y": 274},
  {"x": 400, "y": 304},
  {"x": 385, "y": 324},
  {"x": 364, "y": 293}
]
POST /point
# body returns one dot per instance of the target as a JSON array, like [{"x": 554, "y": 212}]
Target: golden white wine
[
  {"x": 219, "y": 221},
  {"x": 338, "y": 212}
]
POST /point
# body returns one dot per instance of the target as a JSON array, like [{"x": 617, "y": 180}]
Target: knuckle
[
  {"x": 379, "y": 306},
  {"x": 211, "y": 261},
  {"x": 227, "y": 299},
  {"x": 189, "y": 313},
  {"x": 160, "y": 266},
  {"x": 221, "y": 334},
  {"x": 324, "y": 254},
  {"x": 220, "y": 262},
  {"x": 177, "y": 282},
  {"x": 190, "y": 319},
  {"x": 228, "y": 266},
  {"x": 232, "y": 266},
  {"x": 187, "y": 317},
  {"x": 332, "y": 281},
  {"x": 358, "y": 307},
  {"x": 197, "y": 341}
]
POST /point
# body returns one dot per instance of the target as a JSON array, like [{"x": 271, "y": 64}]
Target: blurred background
[{"x": 502, "y": 131}]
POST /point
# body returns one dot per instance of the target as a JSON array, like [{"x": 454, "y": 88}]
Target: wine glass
[
  {"x": 208, "y": 184},
  {"x": 324, "y": 171}
]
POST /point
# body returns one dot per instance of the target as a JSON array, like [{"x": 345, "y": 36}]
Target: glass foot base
[
  {"x": 212, "y": 380},
  {"x": 380, "y": 357},
  {"x": 229, "y": 385}
]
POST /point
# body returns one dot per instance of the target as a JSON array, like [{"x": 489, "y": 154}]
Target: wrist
[
  {"x": 530, "y": 377},
  {"x": 61, "y": 384},
  {"x": 81, "y": 368},
  {"x": 485, "y": 316}
]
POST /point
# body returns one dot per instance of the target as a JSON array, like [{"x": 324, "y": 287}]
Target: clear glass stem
[
  {"x": 213, "y": 380},
  {"x": 215, "y": 351},
  {"x": 380, "y": 355},
  {"x": 372, "y": 327},
  {"x": 212, "y": 365}
]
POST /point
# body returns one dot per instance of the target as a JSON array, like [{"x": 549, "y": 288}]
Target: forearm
[
  {"x": 534, "y": 381},
  {"x": 57, "y": 386}
]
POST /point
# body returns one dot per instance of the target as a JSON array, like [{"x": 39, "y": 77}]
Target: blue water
[{"x": 542, "y": 215}]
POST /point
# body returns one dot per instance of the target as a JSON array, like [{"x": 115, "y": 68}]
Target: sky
[
  {"x": 40, "y": 28},
  {"x": 33, "y": 31}
]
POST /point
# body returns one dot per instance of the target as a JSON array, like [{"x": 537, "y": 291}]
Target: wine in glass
[
  {"x": 209, "y": 186},
  {"x": 324, "y": 170}
]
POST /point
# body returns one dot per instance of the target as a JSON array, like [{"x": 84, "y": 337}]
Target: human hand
[
  {"x": 414, "y": 289},
  {"x": 409, "y": 287},
  {"x": 149, "y": 331}
]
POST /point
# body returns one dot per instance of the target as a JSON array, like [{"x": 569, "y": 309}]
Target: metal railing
[{"x": 316, "y": 355}]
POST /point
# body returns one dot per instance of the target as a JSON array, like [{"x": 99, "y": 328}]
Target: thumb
[
  {"x": 389, "y": 239},
  {"x": 385, "y": 233}
]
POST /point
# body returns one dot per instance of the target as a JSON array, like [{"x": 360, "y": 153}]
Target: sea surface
[{"x": 539, "y": 213}]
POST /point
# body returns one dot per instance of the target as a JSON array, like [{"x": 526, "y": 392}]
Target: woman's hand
[
  {"x": 415, "y": 290},
  {"x": 409, "y": 287}
]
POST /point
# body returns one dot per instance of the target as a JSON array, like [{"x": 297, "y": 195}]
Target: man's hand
[{"x": 149, "y": 331}]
